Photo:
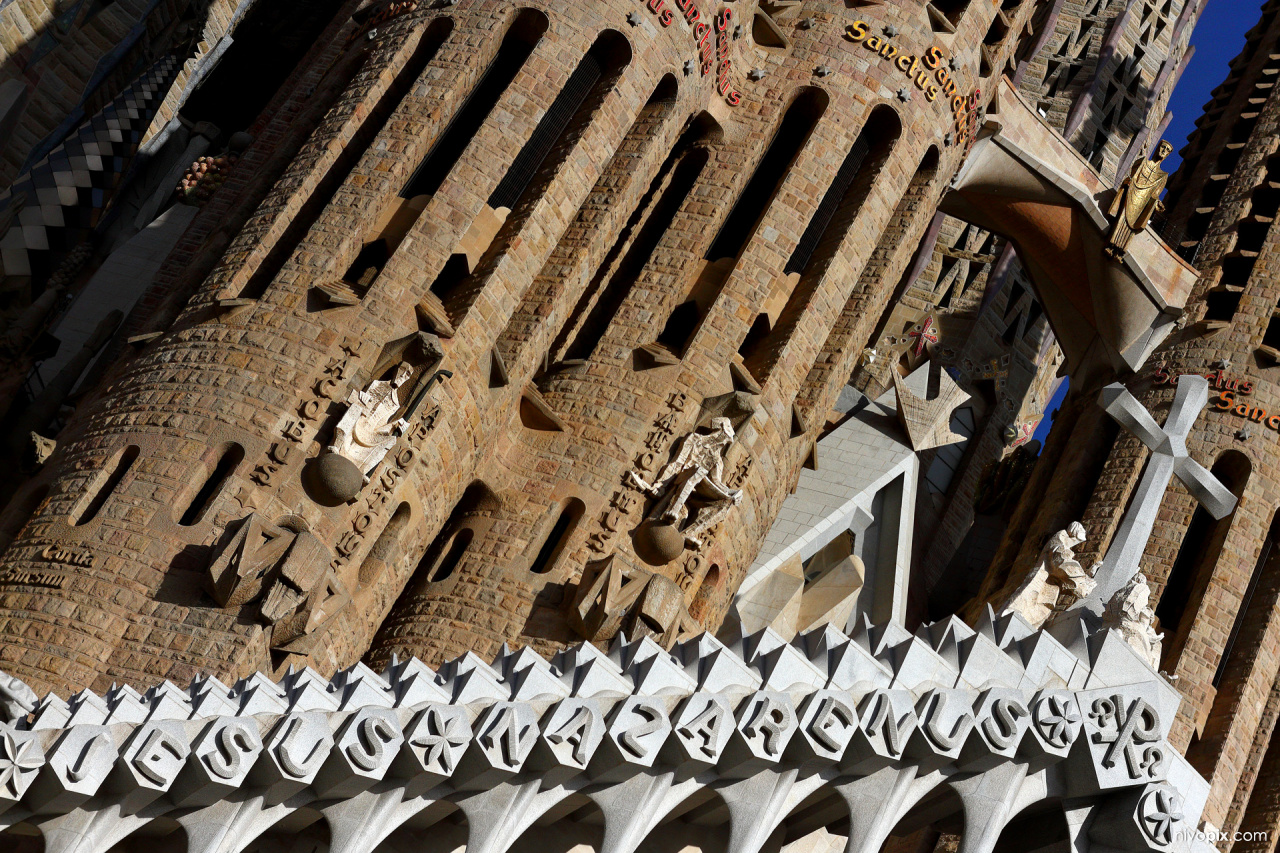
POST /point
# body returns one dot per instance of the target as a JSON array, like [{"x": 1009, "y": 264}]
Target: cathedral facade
[{"x": 609, "y": 426}]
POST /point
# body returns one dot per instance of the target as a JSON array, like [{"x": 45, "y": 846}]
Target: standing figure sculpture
[
  {"x": 16, "y": 699},
  {"x": 1138, "y": 200},
  {"x": 698, "y": 468},
  {"x": 367, "y": 432}
]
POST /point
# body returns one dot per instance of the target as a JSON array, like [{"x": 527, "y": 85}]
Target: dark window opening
[
  {"x": 792, "y": 134},
  {"x": 368, "y": 263},
  {"x": 523, "y": 36},
  {"x": 758, "y": 332},
  {"x": 1253, "y": 235},
  {"x": 453, "y": 273},
  {"x": 657, "y": 223},
  {"x": 1221, "y": 305},
  {"x": 827, "y": 230},
  {"x": 1266, "y": 200},
  {"x": 1197, "y": 556},
  {"x": 106, "y": 484},
  {"x": 457, "y": 547},
  {"x": 337, "y": 174},
  {"x": 558, "y": 538},
  {"x": 268, "y": 46},
  {"x": 944, "y": 15},
  {"x": 1272, "y": 336},
  {"x": 1236, "y": 271},
  {"x": 227, "y": 464},
  {"x": 680, "y": 327}
]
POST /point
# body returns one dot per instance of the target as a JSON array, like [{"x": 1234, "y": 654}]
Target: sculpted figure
[
  {"x": 16, "y": 699},
  {"x": 1129, "y": 611},
  {"x": 1056, "y": 583},
  {"x": 697, "y": 469},
  {"x": 367, "y": 431},
  {"x": 1138, "y": 200}
]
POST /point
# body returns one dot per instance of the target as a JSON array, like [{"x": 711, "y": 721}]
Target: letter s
[
  {"x": 1225, "y": 401},
  {"x": 856, "y": 31},
  {"x": 933, "y": 58}
]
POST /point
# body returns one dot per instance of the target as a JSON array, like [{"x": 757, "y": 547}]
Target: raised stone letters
[
  {"x": 1130, "y": 729},
  {"x": 438, "y": 737}
]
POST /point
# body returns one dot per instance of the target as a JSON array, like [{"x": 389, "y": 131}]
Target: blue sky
[{"x": 1217, "y": 39}]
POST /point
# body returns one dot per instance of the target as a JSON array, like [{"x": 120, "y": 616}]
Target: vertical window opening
[
  {"x": 386, "y": 547},
  {"x": 1193, "y": 567},
  {"x": 104, "y": 485},
  {"x": 824, "y": 234},
  {"x": 657, "y": 219},
  {"x": 457, "y": 547},
  {"x": 558, "y": 538},
  {"x": 474, "y": 509},
  {"x": 793, "y": 132},
  {"x": 279, "y": 254},
  {"x": 230, "y": 459},
  {"x": 706, "y": 593},
  {"x": 564, "y": 122}
]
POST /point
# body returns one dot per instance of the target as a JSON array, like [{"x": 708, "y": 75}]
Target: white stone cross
[{"x": 1169, "y": 456}]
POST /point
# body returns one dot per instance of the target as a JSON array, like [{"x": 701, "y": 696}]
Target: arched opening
[
  {"x": 473, "y": 510},
  {"x": 1041, "y": 827},
  {"x": 936, "y": 822},
  {"x": 666, "y": 196},
  {"x": 824, "y": 234},
  {"x": 103, "y": 485},
  {"x": 22, "y": 837},
  {"x": 700, "y": 822},
  {"x": 789, "y": 139},
  {"x": 386, "y": 548},
  {"x": 162, "y": 835},
  {"x": 1241, "y": 648},
  {"x": 539, "y": 160},
  {"x": 439, "y": 828},
  {"x": 432, "y": 39},
  {"x": 303, "y": 830},
  {"x": 555, "y": 545},
  {"x": 1193, "y": 567},
  {"x": 203, "y": 495},
  {"x": 945, "y": 15},
  {"x": 820, "y": 822},
  {"x": 575, "y": 823}
]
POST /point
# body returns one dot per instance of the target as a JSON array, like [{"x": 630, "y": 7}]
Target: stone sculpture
[
  {"x": 369, "y": 428},
  {"x": 927, "y": 421},
  {"x": 615, "y": 597},
  {"x": 1056, "y": 583},
  {"x": 1138, "y": 200},
  {"x": 285, "y": 569},
  {"x": 16, "y": 699},
  {"x": 696, "y": 471},
  {"x": 1129, "y": 612},
  {"x": 766, "y": 724}
]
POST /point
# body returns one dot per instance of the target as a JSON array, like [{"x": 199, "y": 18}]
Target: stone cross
[{"x": 1169, "y": 457}]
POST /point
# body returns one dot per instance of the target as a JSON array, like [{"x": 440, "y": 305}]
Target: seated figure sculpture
[
  {"x": 1057, "y": 582},
  {"x": 1129, "y": 612},
  {"x": 697, "y": 469},
  {"x": 367, "y": 430}
]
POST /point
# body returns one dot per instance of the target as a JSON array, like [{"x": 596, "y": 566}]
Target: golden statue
[{"x": 1138, "y": 200}]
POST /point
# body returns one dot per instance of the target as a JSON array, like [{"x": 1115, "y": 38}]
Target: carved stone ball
[
  {"x": 658, "y": 543},
  {"x": 336, "y": 479}
]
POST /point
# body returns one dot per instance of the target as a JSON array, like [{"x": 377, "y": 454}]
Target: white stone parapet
[{"x": 1003, "y": 717}]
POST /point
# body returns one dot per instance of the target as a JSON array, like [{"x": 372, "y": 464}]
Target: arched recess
[
  {"x": 1242, "y": 646},
  {"x": 795, "y": 128},
  {"x": 1038, "y": 828},
  {"x": 22, "y": 837},
  {"x": 573, "y": 825},
  {"x": 439, "y": 828},
  {"x": 1192, "y": 570},
  {"x": 103, "y": 485},
  {"x": 208, "y": 483},
  {"x": 162, "y": 835},
  {"x": 471, "y": 515},
  {"x": 699, "y": 822},
  {"x": 303, "y": 830},
  {"x": 556, "y": 544},
  {"x": 820, "y": 822},
  {"x": 434, "y": 36},
  {"x": 571, "y": 114},
  {"x": 821, "y": 240},
  {"x": 637, "y": 242},
  {"x": 387, "y": 548},
  {"x": 935, "y": 822}
]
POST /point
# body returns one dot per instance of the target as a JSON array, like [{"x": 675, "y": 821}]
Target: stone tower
[
  {"x": 1216, "y": 582},
  {"x": 529, "y": 256}
]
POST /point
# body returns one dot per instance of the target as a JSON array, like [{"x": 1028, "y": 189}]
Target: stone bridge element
[
  {"x": 889, "y": 730},
  {"x": 1024, "y": 180}
]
